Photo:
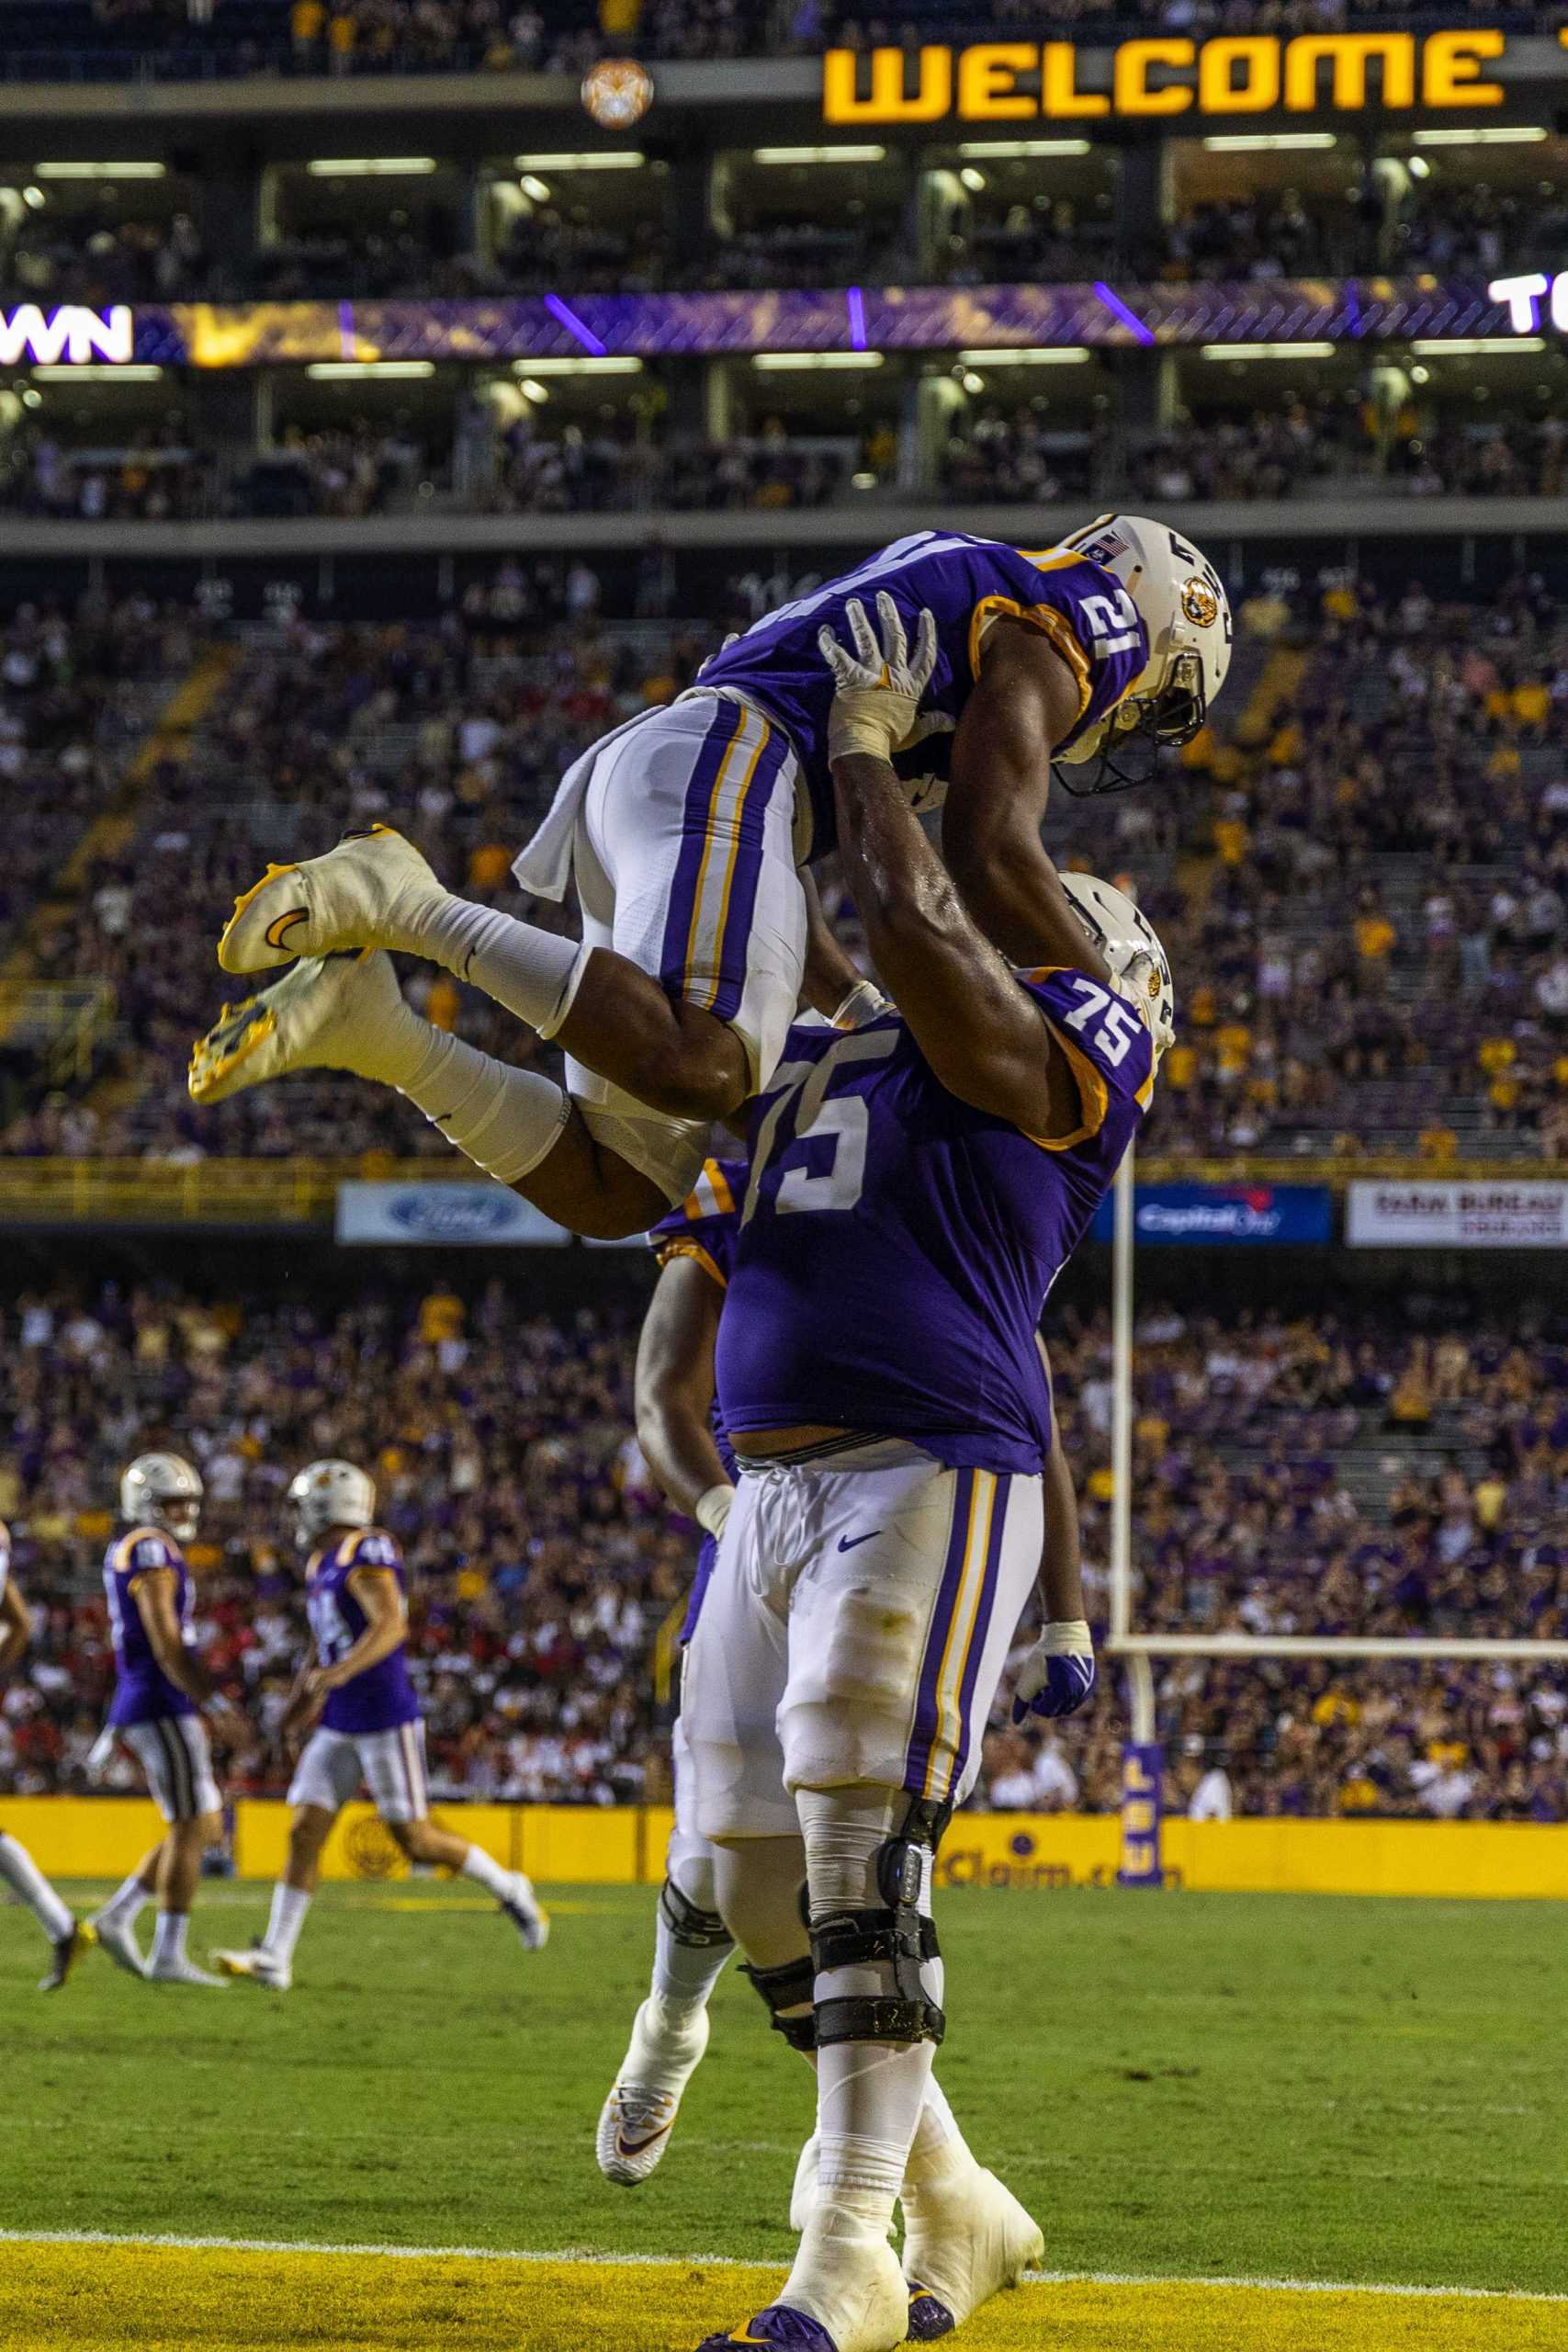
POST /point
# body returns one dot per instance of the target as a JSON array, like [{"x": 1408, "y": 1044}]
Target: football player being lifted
[{"x": 688, "y": 833}]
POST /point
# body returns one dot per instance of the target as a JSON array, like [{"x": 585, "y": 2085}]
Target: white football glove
[{"x": 879, "y": 685}]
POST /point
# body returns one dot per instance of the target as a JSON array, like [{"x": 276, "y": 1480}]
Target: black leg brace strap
[
  {"x": 701, "y": 1930},
  {"x": 896, "y": 1935},
  {"x": 787, "y": 1988}
]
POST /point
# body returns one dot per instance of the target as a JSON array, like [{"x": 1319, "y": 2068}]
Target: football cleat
[
  {"x": 370, "y": 891},
  {"x": 963, "y": 2242},
  {"x": 68, "y": 1949},
  {"x": 324, "y": 1014},
  {"x": 119, "y": 1942},
  {"x": 182, "y": 1972},
  {"x": 262, "y": 1967},
  {"x": 527, "y": 1912},
  {"x": 638, "y": 2118},
  {"x": 790, "y": 2331}
]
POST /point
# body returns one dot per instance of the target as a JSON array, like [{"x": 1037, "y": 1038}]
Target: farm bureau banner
[{"x": 1450, "y": 1216}]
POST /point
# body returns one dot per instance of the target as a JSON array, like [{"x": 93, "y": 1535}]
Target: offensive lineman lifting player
[{"x": 687, "y": 831}]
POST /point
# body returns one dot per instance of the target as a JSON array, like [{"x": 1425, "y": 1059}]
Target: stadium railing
[{"x": 304, "y": 1192}]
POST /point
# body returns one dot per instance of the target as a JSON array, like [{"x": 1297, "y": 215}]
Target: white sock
[
  {"x": 22, "y": 1875},
  {"x": 169, "y": 1937},
  {"x": 289, "y": 1904},
  {"x": 506, "y": 1120},
  {"x": 478, "y": 1864},
  {"x": 685, "y": 1974},
  {"x": 533, "y": 973},
  {"x": 125, "y": 1906}
]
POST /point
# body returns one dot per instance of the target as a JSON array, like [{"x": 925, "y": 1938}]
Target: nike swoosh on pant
[{"x": 847, "y": 1543}]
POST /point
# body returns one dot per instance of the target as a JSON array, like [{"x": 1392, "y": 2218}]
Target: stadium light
[
  {"x": 1269, "y": 350},
  {"x": 533, "y": 186},
  {"x": 1476, "y": 346},
  {"x": 533, "y": 391},
  {"x": 99, "y": 171},
  {"x": 135, "y": 373},
  {"x": 608, "y": 159},
  {"x": 587, "y": 365},
  {"x": 1055, "y": 355},
  {"x": 341, "y": 370},
  {"x": 972, "y": 180},
  {"x": 1268, "y": 142},
  {"x": 1499, "y": 134},
  {"x": 775, "y": 362},
  {"x": 818, "y": 154},
  {"x": 370, "y": 167},
  {"x": 1016, "y": 151}
]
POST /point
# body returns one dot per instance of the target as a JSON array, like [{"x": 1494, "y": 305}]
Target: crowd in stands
[
  {"x": 179, "y": 37},
  {"x": 1361, "y": 878},
  {"x": 543, "y": 1565}
]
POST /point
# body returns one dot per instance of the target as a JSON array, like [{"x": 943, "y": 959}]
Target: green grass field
[{"x": 1179, "y": 2085}]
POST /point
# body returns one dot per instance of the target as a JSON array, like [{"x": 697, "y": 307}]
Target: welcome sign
[{"x": 1020, "y": 81}]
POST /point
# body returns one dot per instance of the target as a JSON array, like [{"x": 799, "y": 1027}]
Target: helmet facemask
[{"x": 1124, "y": 753}]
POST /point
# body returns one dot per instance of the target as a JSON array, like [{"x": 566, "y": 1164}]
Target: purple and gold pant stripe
[
  {"x": 713, "y": 898},
  {"x": 955, "y": 1640}
]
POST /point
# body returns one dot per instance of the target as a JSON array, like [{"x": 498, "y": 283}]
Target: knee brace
[
  {"x": 702, "y": 1931},
  {"x": 895, "y": 1936},
  {"x": 787, "y": 1988}
]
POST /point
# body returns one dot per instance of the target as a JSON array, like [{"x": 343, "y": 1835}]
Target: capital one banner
[
  {"x": 1494, "y": 1214},
  {"x": 1224, "y": 1213}
]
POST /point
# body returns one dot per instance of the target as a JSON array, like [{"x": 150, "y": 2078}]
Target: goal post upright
[{"x": 1142, "y": 1764}]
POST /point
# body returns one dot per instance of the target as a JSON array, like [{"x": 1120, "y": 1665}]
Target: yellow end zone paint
[{"x": 92, "y": 2298}]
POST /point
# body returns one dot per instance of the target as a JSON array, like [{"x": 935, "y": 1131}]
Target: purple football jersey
[
  {"x": 1080, "y": 609},
  {"x": 142, "y": 1690},
  {"x": 383, "y": 1697},
  {"x": 896, "y": 1245},
  {"x": 704, "y": 1227}
]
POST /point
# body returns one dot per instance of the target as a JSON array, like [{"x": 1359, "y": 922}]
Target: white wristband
[
  {"x": 713, "y": 1509},
  {"x": 1067, "y": 1637}
]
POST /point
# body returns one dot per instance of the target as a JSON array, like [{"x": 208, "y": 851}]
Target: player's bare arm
[
  {"x": 981, "y": 1032},
  {"x": 675, "y": 1385},
  {"x": 1058, "y": 1674},
  {"x": 1025, "y": 704},
  {"x": 15, "y": 1626},
  {"x": 154, "y": 1593}
]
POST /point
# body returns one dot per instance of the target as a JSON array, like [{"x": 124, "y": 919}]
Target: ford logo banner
[{"x": 443, "y": 1215}]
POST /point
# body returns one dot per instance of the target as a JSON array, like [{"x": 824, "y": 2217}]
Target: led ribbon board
[
  {"x": 1260, "y": 73},
  {"x": 854, "y": 320}
]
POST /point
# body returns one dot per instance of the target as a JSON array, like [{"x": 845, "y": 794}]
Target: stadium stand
[
  {"x": 1331, "y": 1476},
  {"x": 1362, "y": 877}
]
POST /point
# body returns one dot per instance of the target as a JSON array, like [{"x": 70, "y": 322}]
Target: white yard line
[{"x": 732, "y": 2262}]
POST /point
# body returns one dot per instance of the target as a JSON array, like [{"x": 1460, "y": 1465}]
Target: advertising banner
[
  {"x": 1451, "y": 1215},
  {"x": 1225, "y": 1213},
  {"x": 443, "y": 1216}
]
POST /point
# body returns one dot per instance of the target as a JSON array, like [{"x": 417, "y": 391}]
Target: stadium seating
[
  {"x": 1327, "y": 1478},
  {"x": 1362, "y": 879}
]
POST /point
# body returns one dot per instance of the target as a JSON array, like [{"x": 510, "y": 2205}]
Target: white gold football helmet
[
  {"x": 1186, "y": 614},
  {"x": 331, "y": 1494},
  {"x": 161, "y": 1490},
  {"x": 1130, "y": 945}
]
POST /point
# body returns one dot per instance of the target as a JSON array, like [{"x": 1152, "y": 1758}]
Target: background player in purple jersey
[
  {"x": 362, "y": 1712},
  {"x": 685, "y": 832},
  {"x": 18, "y": 1868},
  {"x": 162, "y": 1693},
  {"x": 914, "y": 1190},
  {"x": 683, "y": 1438}
]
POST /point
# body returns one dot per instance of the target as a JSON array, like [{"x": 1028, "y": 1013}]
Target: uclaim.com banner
[{"x": 1450, "y": 1216}]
